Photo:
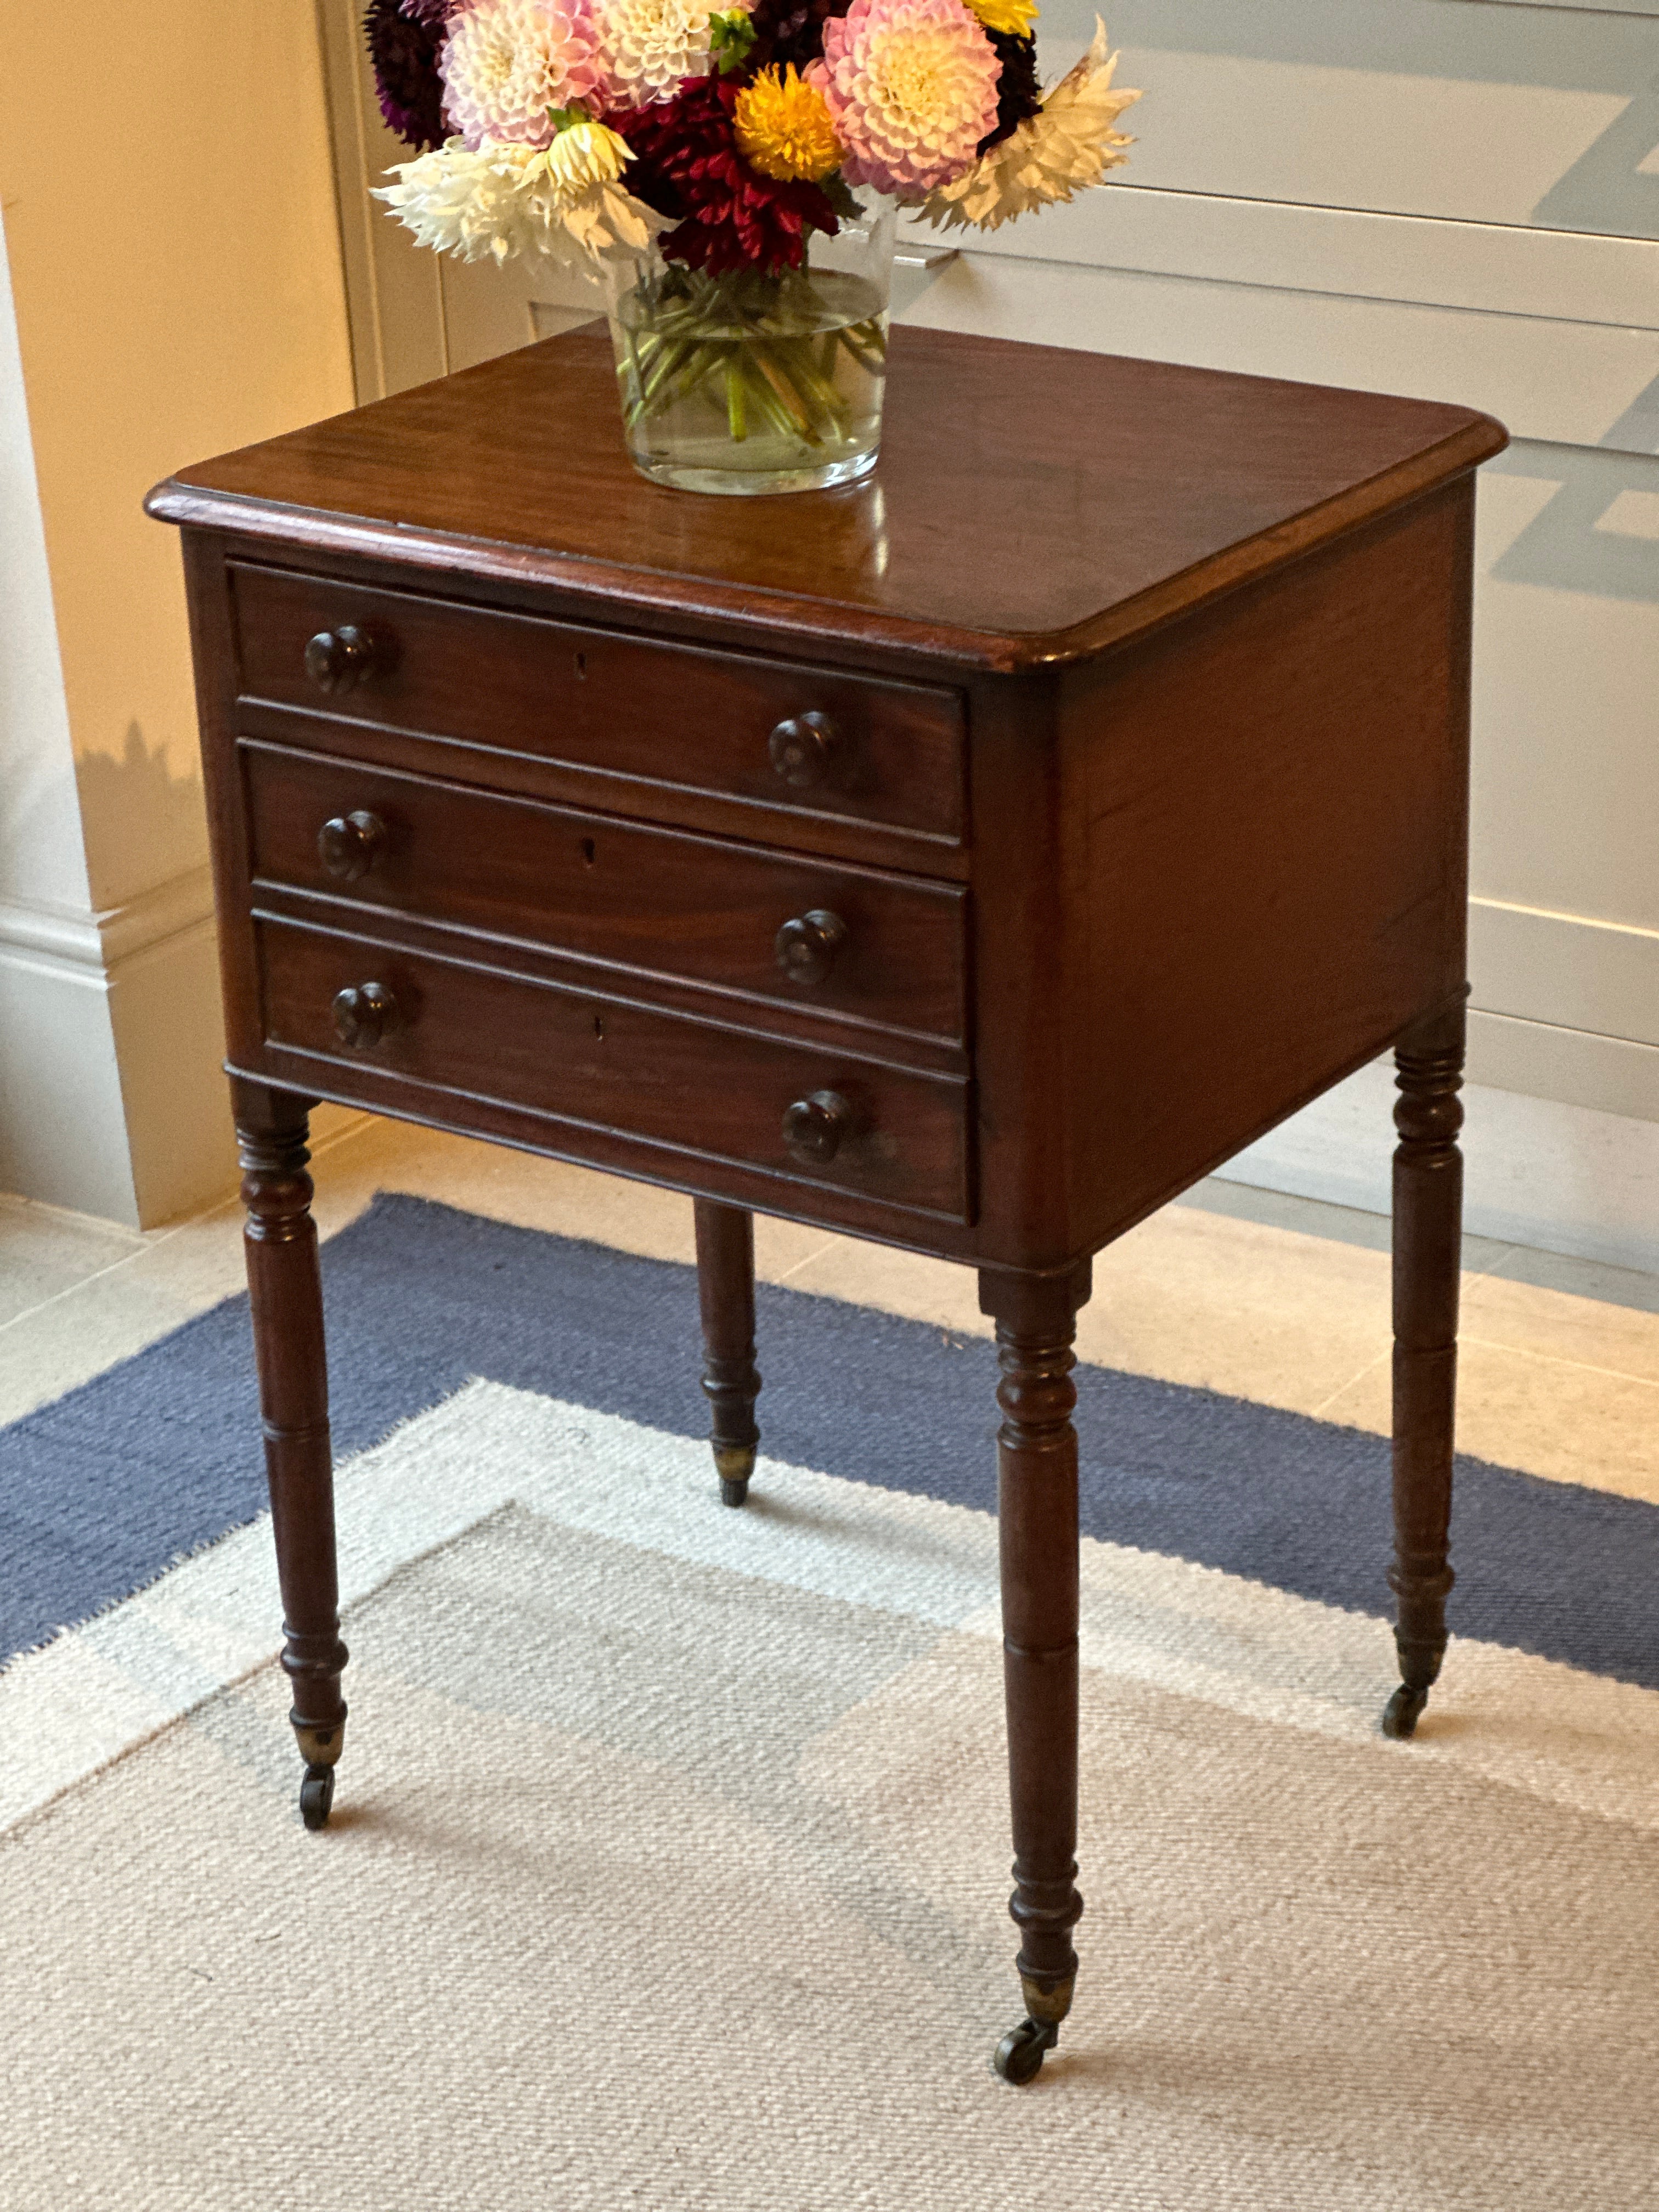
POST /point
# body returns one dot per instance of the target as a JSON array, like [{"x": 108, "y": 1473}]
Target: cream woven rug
[{"x": 669, "y": 1861}]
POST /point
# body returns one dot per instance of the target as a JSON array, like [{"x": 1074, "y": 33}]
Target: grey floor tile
[
  {"x": 1314, "y": 1216},
  {"x": 1581, "y": 1279},
  {"x": 45, "y": 1251}
]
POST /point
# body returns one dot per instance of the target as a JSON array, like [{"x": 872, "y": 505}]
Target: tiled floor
[{"x": 1272, "y": 1298}]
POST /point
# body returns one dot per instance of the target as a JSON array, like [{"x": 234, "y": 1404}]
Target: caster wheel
[
  {"x": 1402, "y": 1713},
  {"x": 316, "y": 1796},
  {"x": 1019, "y": 2054},
  {"x": 733, "y": 1493}
]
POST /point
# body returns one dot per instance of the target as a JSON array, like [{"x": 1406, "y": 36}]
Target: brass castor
[
  {"x": 1402, "y": 1712},
  {"x": 735, "y": 1464},
  {"x": 1020, "y": 2055},
  {"x": 316, "y": 1796}
]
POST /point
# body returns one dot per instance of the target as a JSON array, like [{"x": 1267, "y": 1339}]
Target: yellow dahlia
[
  {"x": 1016, "y": 17},
  {"x": 784, "y": 127}
]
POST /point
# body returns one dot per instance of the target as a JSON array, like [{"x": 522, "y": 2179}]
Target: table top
[{"x": 1032, "y": 505}]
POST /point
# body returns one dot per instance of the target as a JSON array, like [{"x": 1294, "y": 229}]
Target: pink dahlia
[
  {"x": 506, "y": 63},
  {"x": 911, "y": 85}
]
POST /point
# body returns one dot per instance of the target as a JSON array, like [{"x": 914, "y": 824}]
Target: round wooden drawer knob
[
  {"x": 364, "y": 1014},
  {"x": 808, "y": 946},
  {"x": 813, "y": 1128},
  {"x": 340, "y": 659},
  {"x": 804, "y": 749},
  {"x": 348, "y": 845}
]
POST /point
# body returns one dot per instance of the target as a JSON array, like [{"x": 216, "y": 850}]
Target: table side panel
[{"x": 1278, "y": 864}]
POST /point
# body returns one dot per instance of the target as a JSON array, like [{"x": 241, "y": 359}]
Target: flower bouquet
[{"x": 733, "y": 173}]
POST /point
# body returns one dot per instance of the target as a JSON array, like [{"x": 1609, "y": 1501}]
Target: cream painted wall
[
  {"x": 175, "y": 260},
  {"x": 175, "y": 264},
  {"x": 57, "y": 1039}
]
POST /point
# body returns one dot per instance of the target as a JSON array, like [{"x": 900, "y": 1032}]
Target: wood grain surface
[
  {"x": 619, "y": 707},
  {"x": 638, "y": 902},
  {"x": 595, "y": 1064},
  {"x": 1031, "y": 504}
]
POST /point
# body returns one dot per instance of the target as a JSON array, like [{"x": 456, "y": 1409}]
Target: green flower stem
[
  {"x": 770, "y": 407},
  {"x": 795, "y": 361},
  {"x": 872, "y": 357},
  {"x": 794, "y": 405},
  {"x": 668, "y": 361},
  {"x": 752, "y": 349}
]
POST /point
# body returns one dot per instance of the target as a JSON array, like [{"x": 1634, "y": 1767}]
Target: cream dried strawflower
[
  {"x": 506, "y": 63},
  {"x": 498, "y": 202},
  {"x": 1067, "y": 145}
]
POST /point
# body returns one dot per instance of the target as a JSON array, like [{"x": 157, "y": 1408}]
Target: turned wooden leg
[
  {"x": 726, "y": 1291},
  {"x": 285, "y": 1292},
  {"x": 1037, "y": 1462},
  {"x": 1428, "y": 1215}
]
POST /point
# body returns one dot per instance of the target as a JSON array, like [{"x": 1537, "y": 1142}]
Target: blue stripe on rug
[{"x": 102, "y": 1491}]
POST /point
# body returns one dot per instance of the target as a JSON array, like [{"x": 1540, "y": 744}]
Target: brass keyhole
[
  {"x": 599, "y": 1027},
  {"x": 590, "y": 851}
]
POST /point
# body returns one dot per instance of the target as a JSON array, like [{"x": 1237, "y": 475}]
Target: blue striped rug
[
  {"x": 158, "y": 1457},
  {"x": 670, "y": 1855}
]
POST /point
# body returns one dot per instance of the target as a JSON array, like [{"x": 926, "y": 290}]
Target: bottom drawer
[{"x": 809, "y": 1114}]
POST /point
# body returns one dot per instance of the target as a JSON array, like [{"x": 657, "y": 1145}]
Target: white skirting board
[
  {"x": 112, "y": 1102},
  {"x": 1539, "y": 1171}
]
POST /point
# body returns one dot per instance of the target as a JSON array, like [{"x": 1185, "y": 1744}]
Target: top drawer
[{"x": 672, "y": 716}]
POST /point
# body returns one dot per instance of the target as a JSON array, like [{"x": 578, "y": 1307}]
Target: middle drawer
[{"x": 863, "y": 944}]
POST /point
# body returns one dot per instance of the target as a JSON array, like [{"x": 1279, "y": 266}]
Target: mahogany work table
[{"x": 971, "y": 859}]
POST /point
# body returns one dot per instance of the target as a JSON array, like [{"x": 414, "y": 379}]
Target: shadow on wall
[
  {"x": 1614, "y": 185},
  {"x": 143, "y": 825},
  {"x": 1600, "y": 532}
]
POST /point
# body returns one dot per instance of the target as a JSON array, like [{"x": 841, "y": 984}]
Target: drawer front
[
  {"x": 698, "y": 909},
  {"x": 588, "y": 1062},
  {"x": 890, "y": 754}
]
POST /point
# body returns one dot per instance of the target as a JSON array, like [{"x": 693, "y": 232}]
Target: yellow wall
[{"x": 169, "y": 208}]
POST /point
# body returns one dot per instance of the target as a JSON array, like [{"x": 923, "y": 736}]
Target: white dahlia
[
  {"x": 497, "y": 202},
  {"x": 912, "y": 86},
  {"x": 506, "y": 63},
  {"x": 649, "y": 47},
  {"x": 1066, "y": 146}
]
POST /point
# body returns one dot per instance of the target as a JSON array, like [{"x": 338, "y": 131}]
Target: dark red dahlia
[
  {"x": 1018, "y": 96},
  {"x": 687, "y": 166},
  {"x": 404, "y": 37},
  {"x": 790, "y": 31}
]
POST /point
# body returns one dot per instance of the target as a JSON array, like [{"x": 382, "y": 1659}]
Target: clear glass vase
[{"x": 745, "y": 383}]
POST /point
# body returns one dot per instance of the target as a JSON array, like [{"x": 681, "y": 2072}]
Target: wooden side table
[{"x": 971, "y": 861}]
